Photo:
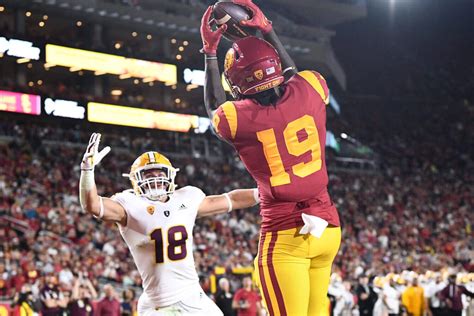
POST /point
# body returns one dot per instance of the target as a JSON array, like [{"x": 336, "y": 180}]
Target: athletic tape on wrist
[
  {"x": 255, "y": 196},
  {"x": 86, "y": 183},
  {"x": 229, "y": 201}
]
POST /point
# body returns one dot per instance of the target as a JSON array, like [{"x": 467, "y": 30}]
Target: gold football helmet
[{"x": 152, "y": 175}]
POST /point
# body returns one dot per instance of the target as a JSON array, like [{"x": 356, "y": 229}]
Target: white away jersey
[{"x": 160, "y": 238}]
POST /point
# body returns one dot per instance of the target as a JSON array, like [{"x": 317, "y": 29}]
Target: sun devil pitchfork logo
[{"x": 150, "y": 209}]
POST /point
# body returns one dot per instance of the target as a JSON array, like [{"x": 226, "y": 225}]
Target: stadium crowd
[{"x": 414, "y": 214}]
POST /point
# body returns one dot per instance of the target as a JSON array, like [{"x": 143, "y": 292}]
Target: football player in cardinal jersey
[
  {"x": 156, "y": 221},
  {"x": 277, "y": 124}
]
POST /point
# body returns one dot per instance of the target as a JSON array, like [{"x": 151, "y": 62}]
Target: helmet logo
[
  {"x": 150, "y": 209},
  {"x": 258, "y": 74},
  {"x": 229, "y": 59},
  {"x": 167, "y": 213}
]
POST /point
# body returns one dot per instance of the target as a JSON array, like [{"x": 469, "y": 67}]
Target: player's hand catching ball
[
  {"x": 92, "y": 156},
  {"x": 258, "y": 20},
  {"x": 210, "y": 38}
]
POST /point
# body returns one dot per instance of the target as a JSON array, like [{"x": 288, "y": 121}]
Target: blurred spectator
[
  {"x": 128, "y": 304},
  {"x": 109, "y": 305},
  {"x": 224, "y": 297},
  {"x": 26, "y": 302},
  {"x": 391, "y": 298},
  {"x": 432, "y": 295},
  {"x": 52, "y": 298},
  {"x": 247, "y": 301},
  {"x": 366, "y": 296},
  {"x": 344, "y": 298},
  {"x": 83, "y": 294},
  {"x": 413, "y": 298},
  {"x": 452, "y": 295}
]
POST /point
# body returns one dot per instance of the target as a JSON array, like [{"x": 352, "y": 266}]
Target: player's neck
[{"x": 268, "y": 97}]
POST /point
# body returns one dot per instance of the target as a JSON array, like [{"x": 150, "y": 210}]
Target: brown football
[{"x": 226, "y": 12}]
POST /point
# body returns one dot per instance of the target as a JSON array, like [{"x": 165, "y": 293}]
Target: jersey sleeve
[
  {"x": 317, "y": 81},
  {"x": 125, "y": 199},
  {"x": 224, "y": 121},
  {"x": 194, "y": 197}
]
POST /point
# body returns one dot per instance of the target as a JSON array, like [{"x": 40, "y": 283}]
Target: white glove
[{"x": 92, "y": 156}]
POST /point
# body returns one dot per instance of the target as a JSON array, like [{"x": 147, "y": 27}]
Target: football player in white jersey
[{"x": 156, "y": 221}]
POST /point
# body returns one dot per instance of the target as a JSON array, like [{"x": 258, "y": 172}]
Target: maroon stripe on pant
[
  {"x": 273, "y": 277},
  {"x": 262, "y": 276}
]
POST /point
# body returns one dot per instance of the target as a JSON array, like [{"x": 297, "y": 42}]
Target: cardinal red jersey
[{"x": 283, "y": 148}]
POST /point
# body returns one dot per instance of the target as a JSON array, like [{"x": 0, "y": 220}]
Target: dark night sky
[{"x": 430, "y": 31}]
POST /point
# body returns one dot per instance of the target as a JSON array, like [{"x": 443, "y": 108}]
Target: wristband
[
  {"x": 229, "y": 201},
  {"x": 288, "y": 69},
  {"x": 255, "y": 196}
]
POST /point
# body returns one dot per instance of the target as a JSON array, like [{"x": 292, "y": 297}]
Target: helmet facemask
[{"x": 152, "y": 186}]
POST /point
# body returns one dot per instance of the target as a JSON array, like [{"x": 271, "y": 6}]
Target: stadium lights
[
  {"x": 185, "y": 43},
  {"x": 74, "y": 69},
  {"x": 343, "y": 135},
  {"x": 31, "y": 84},
  {"x": 136, "y": 81},
  {"x": 134, "y": 34},
  {"x": 117, "y": 45},
  {"x": 173, "y": 41},
  {"x": 45, "y": 17},
  {"x": 181, "y": 48},
  {"x": 30, "y": 65},
  {"x": 125, "y": 76},
  {"x": 39, "y": 82},
  {"x": 149, "y": 36},
  {"x": 2, "y": 8},
  {"x": 177, "y": 100},
  {"x": 41, "y": 24},
  {"x": 22, "y": 60},
  {"x": 116, "y": 92},
  {"x": 79, "y": 23},
  {"x": 174, "y": 87},
  {"x": 28, "y": 13},
  {"x": 151, "y": 84},
  {"x": 179, "y": 57}
]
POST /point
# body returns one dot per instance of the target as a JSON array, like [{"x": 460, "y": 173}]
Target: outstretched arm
[
  {"x": 236, "y": 199},
  {"x": 260, "y": 22},
  {"x": 214, "y": 94},
  {"x": 287, "y": 63},
  {"x": 100, "y": 207}
]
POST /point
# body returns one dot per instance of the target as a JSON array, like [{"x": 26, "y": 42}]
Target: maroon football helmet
[{"x": 251, "y": 66}]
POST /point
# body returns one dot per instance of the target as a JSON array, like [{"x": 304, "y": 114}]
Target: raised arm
[
  {"x": 100, "y": 207},
  {"x": 260, "y": 22},
  {"x": 236, "y": 199},
  {"x": 214, "y": 94}
]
